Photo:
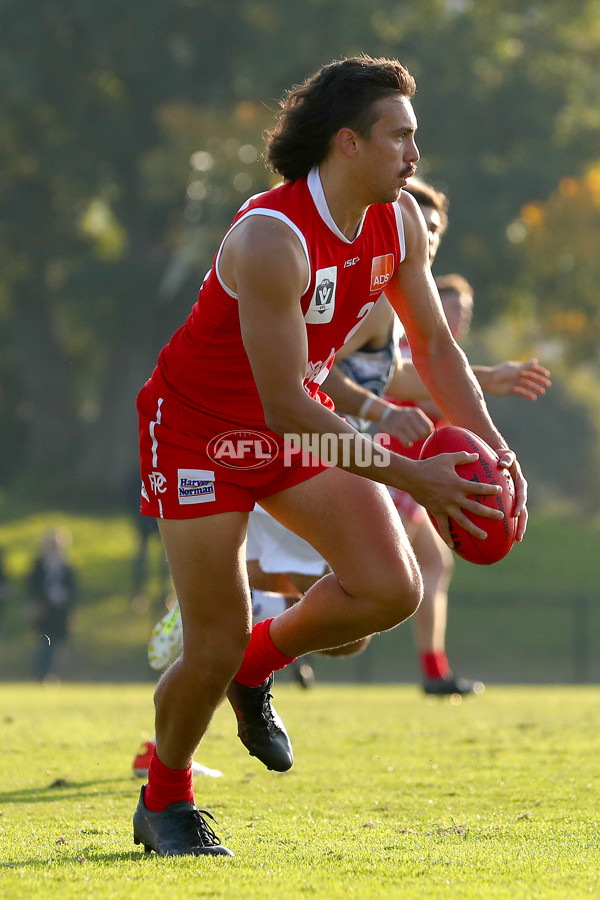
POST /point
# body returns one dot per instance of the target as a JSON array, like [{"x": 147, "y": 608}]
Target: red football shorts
[{"x": 194, "y": 465}]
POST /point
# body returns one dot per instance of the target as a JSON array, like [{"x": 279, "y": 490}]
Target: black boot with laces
[
  {"x": 179, "y": 830},
  {"x": 260, "y": 729}
]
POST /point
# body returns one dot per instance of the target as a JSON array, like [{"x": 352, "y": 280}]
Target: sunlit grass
[{"x": 390, "y": 796}]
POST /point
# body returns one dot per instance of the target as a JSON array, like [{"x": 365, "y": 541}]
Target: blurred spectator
[
  {"x": 52, "y": 587},
  {"x": 3, "y": 592}
]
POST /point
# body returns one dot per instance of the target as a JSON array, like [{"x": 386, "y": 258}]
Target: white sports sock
[{"x": 266, "y": 604}]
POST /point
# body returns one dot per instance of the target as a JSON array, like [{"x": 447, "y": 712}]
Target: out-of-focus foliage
[
  {"x": 131, "y": 132},
  {"x": 560, "y": 241}
]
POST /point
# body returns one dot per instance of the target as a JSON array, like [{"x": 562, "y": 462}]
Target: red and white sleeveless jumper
[{"x": 202, "y": 386}]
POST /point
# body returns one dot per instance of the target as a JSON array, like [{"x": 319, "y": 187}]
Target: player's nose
[{"x": 412, "y": 154}]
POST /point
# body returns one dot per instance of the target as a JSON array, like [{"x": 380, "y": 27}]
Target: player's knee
[
  {"x": 397, "y": 599},
  {"x": 218, "y": 655},
  {"x": 230, "y": 653}
]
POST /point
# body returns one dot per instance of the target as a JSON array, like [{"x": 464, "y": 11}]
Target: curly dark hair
[{"x": 340, "y": 95}]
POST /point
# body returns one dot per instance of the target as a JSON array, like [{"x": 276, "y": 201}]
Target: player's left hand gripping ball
[{"x": 501, "y": 533}]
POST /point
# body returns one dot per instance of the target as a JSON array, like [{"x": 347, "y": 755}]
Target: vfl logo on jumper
[
  {"x": 382, "y": 270},
  {"x": 158, "y": 482},
  {"x": 322, "y": 305},
  {"x": 195, "y": 486},
  {"x": 242, "y": 449}
]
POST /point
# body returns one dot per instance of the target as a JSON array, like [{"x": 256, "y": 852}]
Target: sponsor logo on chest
[
  {"x": 382, "y": 269},
  {"x": 322, "y": 305}
]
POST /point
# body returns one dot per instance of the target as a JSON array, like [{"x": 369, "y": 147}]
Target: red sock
[
  {"x": 262, "y": 657},
  {"x": 167, "y": 786},
  {"x": 435, "y": 665}
]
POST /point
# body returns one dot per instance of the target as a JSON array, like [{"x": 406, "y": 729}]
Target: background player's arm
[
  {"x": 524, "y": 379},
  {"x": 438, "y": 359}
]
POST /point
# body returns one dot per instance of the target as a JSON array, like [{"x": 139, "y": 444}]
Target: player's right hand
[{"x": 441, "y": 490}]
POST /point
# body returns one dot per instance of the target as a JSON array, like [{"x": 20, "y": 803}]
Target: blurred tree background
[{"x": 132, "y": 131}]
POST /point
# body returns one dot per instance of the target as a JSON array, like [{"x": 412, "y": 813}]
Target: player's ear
[{"x": 346, "y": 141}]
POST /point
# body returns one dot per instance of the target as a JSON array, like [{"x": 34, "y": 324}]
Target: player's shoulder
[
  {"x": 415, "y": 228},
  {"x": 271, "y": 215},
  {"x": 410, "y": 209},
  {"x": 263, "y": 234},
  {"x": 265, "y": 244}
]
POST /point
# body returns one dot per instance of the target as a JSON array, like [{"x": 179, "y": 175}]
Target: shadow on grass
[
  {"x": 84, "y": 858},
  {"x": 81, "y": 858},
  {"x": 67, "y": 790}
]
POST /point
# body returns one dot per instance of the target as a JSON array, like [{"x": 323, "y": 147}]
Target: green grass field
[{"x": 391, "y": 796}]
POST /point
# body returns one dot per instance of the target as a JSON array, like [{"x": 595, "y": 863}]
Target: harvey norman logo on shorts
[{"x": 195, "y": 485}]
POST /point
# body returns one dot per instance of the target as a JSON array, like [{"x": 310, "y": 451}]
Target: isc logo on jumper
[
  {"x": 195, "y": 486},
  {"x": 382, "y": 270},
  {"x": 322, "y": 305}
]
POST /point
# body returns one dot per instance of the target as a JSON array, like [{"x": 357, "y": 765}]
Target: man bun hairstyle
[{"x": 340, "y": 95}]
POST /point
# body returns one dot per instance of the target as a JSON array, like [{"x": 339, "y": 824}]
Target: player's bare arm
[
  {"x": 405, "y": 383},
  {"x": 438, "y": 359},
  {"x": 526, "y": 379}
]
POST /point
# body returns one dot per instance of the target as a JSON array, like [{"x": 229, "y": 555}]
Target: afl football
[{"x": 485, "y": 470}]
